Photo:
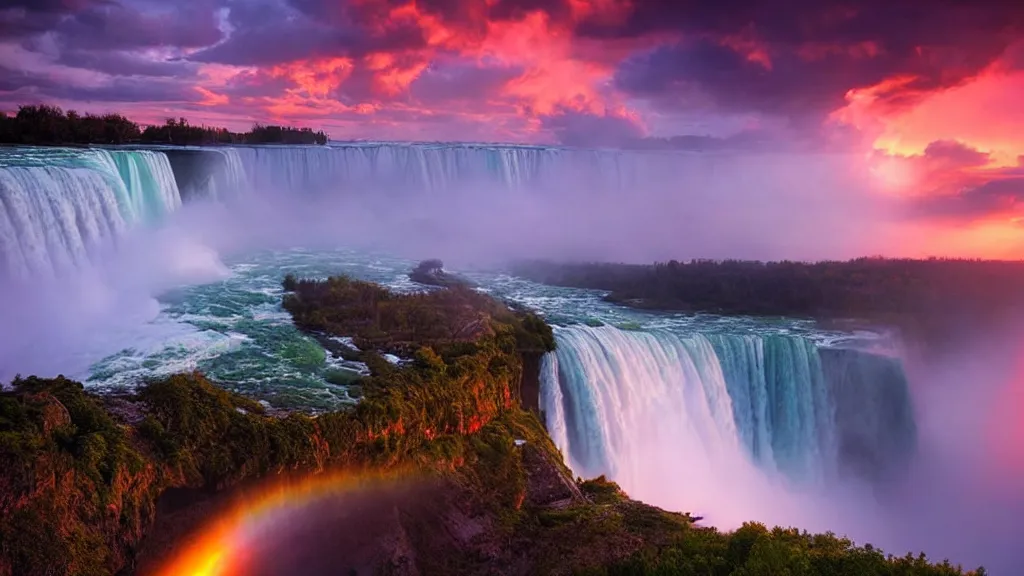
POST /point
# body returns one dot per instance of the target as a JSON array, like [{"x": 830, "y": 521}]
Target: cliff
[{"x": 95, "y": 485}]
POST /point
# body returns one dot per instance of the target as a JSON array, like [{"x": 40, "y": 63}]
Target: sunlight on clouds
[
  {"x": 211, "y": 98},
  {"x": 317, "y": 78},
  {"x": 986, "y": 114}
]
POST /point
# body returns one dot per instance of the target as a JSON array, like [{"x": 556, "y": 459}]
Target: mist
[
  {"x": 651, "y": 206},
  {"x": 960, "y": 498},
  {"x": 632, "y": 207},
  {"x": 654, "y": 430}
]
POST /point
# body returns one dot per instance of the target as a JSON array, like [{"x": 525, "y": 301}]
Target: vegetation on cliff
[
  {"x": 83, "y": 476},
  {"x": 49, "y": 125}
]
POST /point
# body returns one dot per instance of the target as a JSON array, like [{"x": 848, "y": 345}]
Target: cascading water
[
  {"x": 427, "y": 168},
  {"x": 151, "y": 190},
  {"x": 781, "y": 405},
  {"x": 52, "y": 216},
  {"x": 628, "y": 404},
  {"x": 58, "y": 205},
  {"x": 341, "y": 168}
]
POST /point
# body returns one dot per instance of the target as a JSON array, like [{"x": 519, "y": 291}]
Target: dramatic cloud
[
  {"x": 956, "y": 154},
  {"x": 1004, "y": 197},
  {"x": 932, "y": 87},
  {"x": 582, "y": 129},
  {"x": 126, "y": 64},
  {"x": 115, "y": 26}
]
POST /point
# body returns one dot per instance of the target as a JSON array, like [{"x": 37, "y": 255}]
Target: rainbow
[{"x": 224, "y": 546}]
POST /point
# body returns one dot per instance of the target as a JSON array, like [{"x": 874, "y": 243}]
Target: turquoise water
[{"x": 235, "y": 331}]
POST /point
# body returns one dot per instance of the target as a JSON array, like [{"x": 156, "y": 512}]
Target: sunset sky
[{"x": 930, "y": 91}]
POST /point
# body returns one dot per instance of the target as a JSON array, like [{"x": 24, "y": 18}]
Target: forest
[
  {"x": 51, "y": 126},
  {"x": 921, "y": 295}
]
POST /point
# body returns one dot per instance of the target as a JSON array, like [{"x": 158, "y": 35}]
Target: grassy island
[{"x": 96, "y": 485}]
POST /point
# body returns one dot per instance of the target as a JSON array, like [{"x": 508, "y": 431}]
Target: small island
[
  {"x": 96, "y": 485},
  {"x": 431, "y": 273}
]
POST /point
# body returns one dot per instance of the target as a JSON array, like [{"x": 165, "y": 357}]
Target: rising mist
[{"x": 959, "y": 498}]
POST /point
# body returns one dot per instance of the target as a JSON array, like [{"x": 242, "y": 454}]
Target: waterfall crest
[
  {"x": 621, "y": 403},
  {"x": 59, "y": 205},
  {"x": 372, "y": 167}
]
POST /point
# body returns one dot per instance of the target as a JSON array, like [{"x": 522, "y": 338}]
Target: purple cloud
[
  {"x": 993, "y": 197},
  {"x": 583, "y": 129},
  {"x": 267, "y": 33},
  {"x": 24, "y": 86},
  {"x": 452, "y": 79},
  {"x": 127, "y": 64},
  {"x": 956, "y": 154},
  {"x": 120, "y": 26},
  {"x": 801, "y": 61}
]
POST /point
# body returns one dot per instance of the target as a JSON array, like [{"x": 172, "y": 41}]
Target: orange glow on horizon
[
  {"x": 220, "y": 547},
  {"x": 894, "y": 174},
  {"x": 984, "y": 114}
]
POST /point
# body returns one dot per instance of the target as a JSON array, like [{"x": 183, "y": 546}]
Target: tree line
[
  {"x": 50, "y": 125},
  {"x": 935, "y": 296}
]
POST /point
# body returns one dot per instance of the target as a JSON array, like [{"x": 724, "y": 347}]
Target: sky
[{"x": 926, "y": 90}]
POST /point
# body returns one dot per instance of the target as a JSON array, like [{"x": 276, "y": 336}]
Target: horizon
[
  {"x": 764, "y": 261},
  {"x": 920, "y": 97}
]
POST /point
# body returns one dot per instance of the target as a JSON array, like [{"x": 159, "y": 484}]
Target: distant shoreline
[
  {"x": 52, "y": 126},
  {"x": 934, "y": 302}
]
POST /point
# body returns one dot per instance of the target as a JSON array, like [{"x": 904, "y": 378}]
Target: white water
[
  {"x": 722, "y": 416},
  {"x": 489, "y": 202},
  {"x": 58, "y": 207},
  {"x": 438, "y": 168},
  {"x": 621, "y": 402},
  {"x": 736, "y": 426}
]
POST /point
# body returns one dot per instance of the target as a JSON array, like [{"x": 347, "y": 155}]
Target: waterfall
[
  {"x": 781, "y": 404},
  {"x": 233, "y": 179},
  {"x": 58, "y": 205},
  {"x": 397, "y": 167},
  {"x": 621, "y": 403},
  {"x": 392, "y": 166},
  {"x": 151, "y": 191}
]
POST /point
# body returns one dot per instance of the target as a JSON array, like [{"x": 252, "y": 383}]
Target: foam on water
[{"x": 273, "y": 361}]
